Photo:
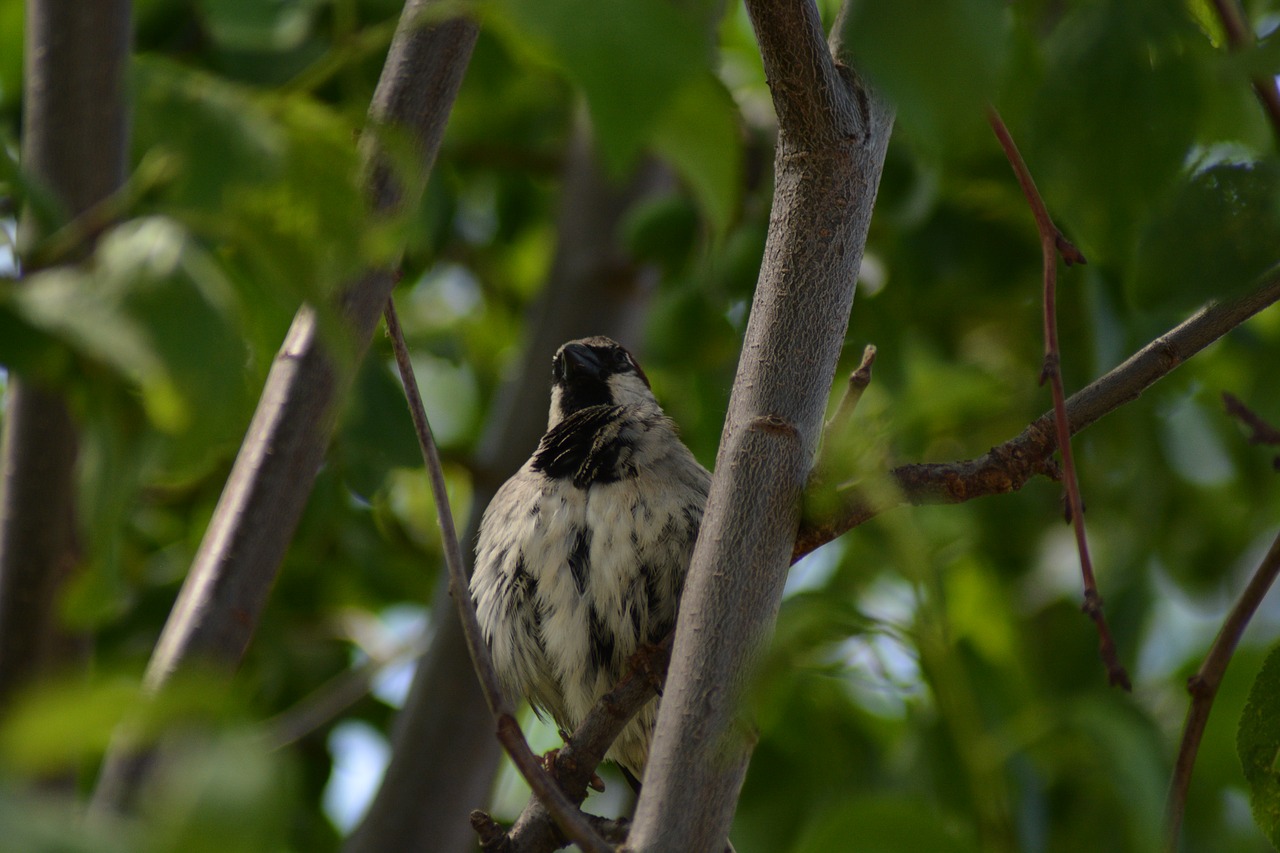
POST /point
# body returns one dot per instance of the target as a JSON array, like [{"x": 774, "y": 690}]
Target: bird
[{"x": 581, "y": 555}]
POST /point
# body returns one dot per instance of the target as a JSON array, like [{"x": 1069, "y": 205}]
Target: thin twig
[
  {"x": 328, "y": 701},
  {"x": 1260, "y": 432},
  {"x": 1052, "y": 244},
  {"x": 1240, "y": 37},
  {"x": 859, "y": 379},
  {"x": 1203, "y": 687},
  {"x": 566, "y": 814}
]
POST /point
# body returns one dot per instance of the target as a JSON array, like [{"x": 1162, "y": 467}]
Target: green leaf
[
  {"x": 274, "y": 179},
  {"x": 153, "y": 306},
  {"x": 938, "y": 61},
  {"x": 887, "y": 823},
  {"x": 631, "y": 58},
  {"x": 1213, "y": 238},
  {"x": 700, "y": 135},
  {"x": 1258, "y": 745},
  {"x": 1115, "y": 118},
  {"x": 663, "y": 230}
]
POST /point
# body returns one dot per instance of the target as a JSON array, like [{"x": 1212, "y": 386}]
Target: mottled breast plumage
[{"x": 582, "y": 554}]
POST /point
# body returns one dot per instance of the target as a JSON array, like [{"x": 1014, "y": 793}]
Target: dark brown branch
[
  {"x": 1053, "y": 243},
  {"x": 1008, "y": 467},
  {"x": 1203, "y": 687},
  {"x": 566, "y": 814}
]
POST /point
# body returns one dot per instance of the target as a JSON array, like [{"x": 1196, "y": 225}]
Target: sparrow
[{"x": 581, "y": 556}]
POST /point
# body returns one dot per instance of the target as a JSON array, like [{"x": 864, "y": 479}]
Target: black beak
[{"x": 577, "y": 360}]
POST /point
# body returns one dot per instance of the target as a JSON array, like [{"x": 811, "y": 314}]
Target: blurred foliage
[{"x": 933, "y": 685}]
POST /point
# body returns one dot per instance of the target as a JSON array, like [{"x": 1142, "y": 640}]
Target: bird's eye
[{"x": 622, "y": 359}]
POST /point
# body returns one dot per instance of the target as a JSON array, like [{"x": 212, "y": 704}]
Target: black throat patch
[{"x": 587, "y": 447}]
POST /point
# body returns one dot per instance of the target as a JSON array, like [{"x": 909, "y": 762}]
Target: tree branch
[
  {"x": 75, "y": 132},
  {"x": 832, "y": 138},
  {"x": 1009, "y": 466},
  {"x": 258, "y": 512},
  {"x": 1203, "y": 687}
]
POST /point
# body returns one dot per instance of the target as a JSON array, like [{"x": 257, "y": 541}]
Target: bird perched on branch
[{"x": 582, "y": 555}]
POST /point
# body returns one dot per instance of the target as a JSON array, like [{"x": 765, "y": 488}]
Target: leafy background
[{"x": 932, "y": 685}]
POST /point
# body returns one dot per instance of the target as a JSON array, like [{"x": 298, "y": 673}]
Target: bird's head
[{"x": 596, "y": 372}]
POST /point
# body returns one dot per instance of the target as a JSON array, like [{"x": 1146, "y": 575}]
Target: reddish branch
[
  {"x": 1203, "y": 687},
  {"x": 571, "y": 821},
  {"x": 1052, "y": 244}
]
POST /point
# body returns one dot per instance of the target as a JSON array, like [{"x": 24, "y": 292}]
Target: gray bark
[
  {"x": 236, "y": 565},
  {"x": 832, "y": 137},
  {"x": 74, "y": 143},
  {"x": 444, "y": 751}
]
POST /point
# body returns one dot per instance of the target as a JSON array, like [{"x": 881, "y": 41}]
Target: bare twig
[
  {"x": 859, "y": 379},
  {"x": 328, "y": 701},
  {"x": 567, "y": 816},
  {"x": 1260, "y": 432},
  {"x": 1239, "y": 37},
  {"x": 1203, "y": 687},
  {"x": 1052, "y": 244}
]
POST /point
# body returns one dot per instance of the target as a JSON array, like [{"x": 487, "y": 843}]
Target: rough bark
[
  {"x": 831, "y": 142},
  {"x": 258, "y": 512},
  {"x": 74, "y": 143},
  {"x": 442, "y": 762}
]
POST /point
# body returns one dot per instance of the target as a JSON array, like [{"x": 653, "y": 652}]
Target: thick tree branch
[
  {"x": 1203, "y": 687},
  {"x": 831, "y": 144},
  {"x": 1009, "y": 466},
  {"x": 255, "y": 519},
  {"x": 74, "y": 143}
]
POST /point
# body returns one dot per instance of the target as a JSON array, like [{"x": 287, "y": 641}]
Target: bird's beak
[{"x": 581, "y": 361}]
